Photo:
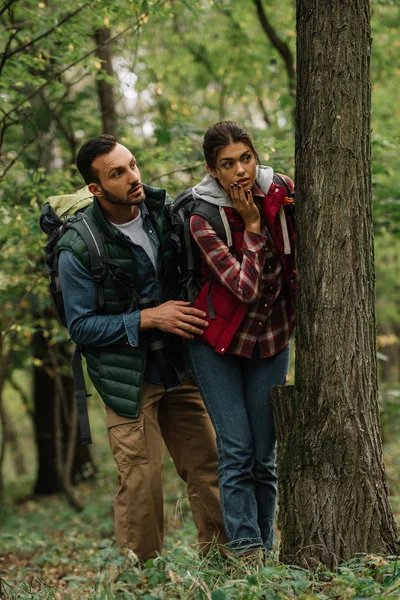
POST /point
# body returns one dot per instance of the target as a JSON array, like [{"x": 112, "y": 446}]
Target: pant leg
[
  {"x": 220, "y": 380},
  {"x": 261, "y": 375},
  {"x": 190, "y": 439},
  {"x": 139, "y": 452}
]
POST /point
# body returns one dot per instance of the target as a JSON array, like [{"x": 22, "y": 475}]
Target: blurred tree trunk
[
  {"x": 55, "y": 420},
  {"x": 13, "y": 441},
  {"x": 3, "y": 439},
  {"x": 105, "y": 88},
  {"x": 333, "y": 491}
]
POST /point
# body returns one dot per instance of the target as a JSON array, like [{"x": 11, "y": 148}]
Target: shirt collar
[{"x": 143, "y": 209}]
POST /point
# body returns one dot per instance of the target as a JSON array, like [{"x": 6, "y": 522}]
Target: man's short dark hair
[{"x": 97, "y": 146}]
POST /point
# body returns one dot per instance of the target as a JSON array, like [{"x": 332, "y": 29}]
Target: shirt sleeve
[
  {"x": 241, "y": 278},
  {"x": 85, "y": 326}
]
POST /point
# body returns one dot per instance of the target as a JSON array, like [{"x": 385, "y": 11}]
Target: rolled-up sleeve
[{"x": 85, "y": 326}]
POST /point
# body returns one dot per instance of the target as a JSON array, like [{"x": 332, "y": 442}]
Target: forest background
[{"x": 156, "y": 74}]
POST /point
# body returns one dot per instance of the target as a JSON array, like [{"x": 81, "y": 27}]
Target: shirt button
[
  {"x": 259, "y": 322},
  {"x": 150, "y": 231},
  {"x": 265, "y": 304}
]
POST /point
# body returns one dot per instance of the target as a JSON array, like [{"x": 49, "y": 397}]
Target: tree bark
[
  {"x": 104, "y": 88},
  {"x": 333, "y": 490}
]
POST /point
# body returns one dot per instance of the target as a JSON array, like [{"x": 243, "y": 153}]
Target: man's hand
[{"x": 176, "y": 317}]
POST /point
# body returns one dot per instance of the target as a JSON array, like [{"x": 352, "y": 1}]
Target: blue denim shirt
[{"x": 86, "y": 327}]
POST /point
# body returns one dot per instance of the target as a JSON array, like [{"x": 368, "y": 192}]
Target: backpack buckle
[{"x": 98, "y": 274}]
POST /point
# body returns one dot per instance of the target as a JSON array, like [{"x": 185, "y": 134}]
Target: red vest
[{"x": 229, "y": 310}]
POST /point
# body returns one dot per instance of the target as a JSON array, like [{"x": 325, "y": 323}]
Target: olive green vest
[{"x": 117, "y": 371}]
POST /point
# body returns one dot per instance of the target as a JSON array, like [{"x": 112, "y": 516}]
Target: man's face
[{"x": 119, "y": 178}]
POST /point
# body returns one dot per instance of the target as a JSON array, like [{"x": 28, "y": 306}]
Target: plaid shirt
[{"x": 257, "y": 280}]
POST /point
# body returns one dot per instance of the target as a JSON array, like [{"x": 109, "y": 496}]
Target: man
[{"x": 140, "y": 413}]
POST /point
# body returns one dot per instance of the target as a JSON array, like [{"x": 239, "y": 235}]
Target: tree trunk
[
  {"x": 50, "y": 427},
  {"x": 333, "y": 490},
  {"x": 13, "y": 441},
  {"x": 104, "y": 88}
]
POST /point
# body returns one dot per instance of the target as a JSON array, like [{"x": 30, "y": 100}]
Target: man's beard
[{"x": 117, "y": 201}]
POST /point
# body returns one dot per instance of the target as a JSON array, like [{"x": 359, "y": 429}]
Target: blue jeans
[{"x": 236, "y": 392}]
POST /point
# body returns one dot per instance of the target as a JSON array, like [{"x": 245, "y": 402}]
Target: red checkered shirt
[{"x": 257, "y": 280}]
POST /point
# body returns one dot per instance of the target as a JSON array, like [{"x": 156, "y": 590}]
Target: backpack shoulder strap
[
  {"x": 215, "y": 215},
  {"x": 88, "y": 230},
  {"x": 277, "y": 178},
  {"x": 80, "y": 397},
  {"x": 186, "y": 206}
]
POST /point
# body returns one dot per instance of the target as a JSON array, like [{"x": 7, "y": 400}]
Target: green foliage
[{"x": 47, "y": 550}]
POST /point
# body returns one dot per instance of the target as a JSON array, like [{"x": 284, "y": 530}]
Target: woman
[{"x": 248, "y": 295}]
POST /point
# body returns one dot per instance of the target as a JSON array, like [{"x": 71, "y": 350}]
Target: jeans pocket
[{"x": 128, "y": 441}]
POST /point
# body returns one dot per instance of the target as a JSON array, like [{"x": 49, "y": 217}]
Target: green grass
[{"x": 48, "y": 550}]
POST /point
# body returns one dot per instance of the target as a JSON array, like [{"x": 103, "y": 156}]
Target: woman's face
[{"x": 235, "y": 163}]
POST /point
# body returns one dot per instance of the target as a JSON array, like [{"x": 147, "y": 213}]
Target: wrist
[
  {"x": 147, "y": 319},
  {"x": 253, "y": 227}
]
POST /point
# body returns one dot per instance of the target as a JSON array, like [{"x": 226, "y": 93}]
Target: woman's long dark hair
[{"x": 222, "y": 134}]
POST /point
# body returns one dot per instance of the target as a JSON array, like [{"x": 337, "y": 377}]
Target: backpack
[
  {"x": 59, "y": 214},
  {"x": 189, "y": 258}
]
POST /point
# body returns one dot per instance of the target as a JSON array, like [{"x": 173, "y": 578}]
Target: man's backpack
[
  {"x": 59, "y": 214},
  {"x": 180, "y": 211}
]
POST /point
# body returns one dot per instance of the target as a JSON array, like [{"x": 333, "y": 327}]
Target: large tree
[{"x": 333, "y": 491}]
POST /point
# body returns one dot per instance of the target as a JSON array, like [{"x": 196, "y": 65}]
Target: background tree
[{"x": 333, "y": 490}]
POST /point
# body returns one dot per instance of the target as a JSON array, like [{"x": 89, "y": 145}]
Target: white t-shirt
[{"x": 134, "y": 230}]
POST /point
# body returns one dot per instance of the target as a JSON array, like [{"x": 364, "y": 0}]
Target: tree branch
[
  {"x": 64, "y": 131},
  {"x": 282, "y": 48},
  {"x": 181, "y": 170},
  {"x": 28, "y": 290},
  {"x": 263, "y": 110},
  {"x": 14, "y": 160},
  {"x": 113, "y": 39},
  {"x": 5, "y": 53},
  {"x": 6, "y": 6},
  {"x": 66, "y": 18}
]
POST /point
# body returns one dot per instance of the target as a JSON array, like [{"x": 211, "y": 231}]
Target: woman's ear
[{"x": 212, "y": 172}]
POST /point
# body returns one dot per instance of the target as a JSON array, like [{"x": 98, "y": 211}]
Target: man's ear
[
  {"x": 95, "y": 189},
  {"x": 212, "y": 172}
]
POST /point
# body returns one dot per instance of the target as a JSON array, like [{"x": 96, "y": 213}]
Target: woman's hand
[{"x": 244, "y": 204}]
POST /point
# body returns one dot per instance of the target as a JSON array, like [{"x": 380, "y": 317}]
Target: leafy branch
[
  {"x": 67, "y": 17},
  {"x": 6, "y": 6},
  {"x": 58, "y": 74}
]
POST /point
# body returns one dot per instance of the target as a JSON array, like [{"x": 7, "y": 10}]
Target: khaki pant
[{"x": 180, "y": 419}]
